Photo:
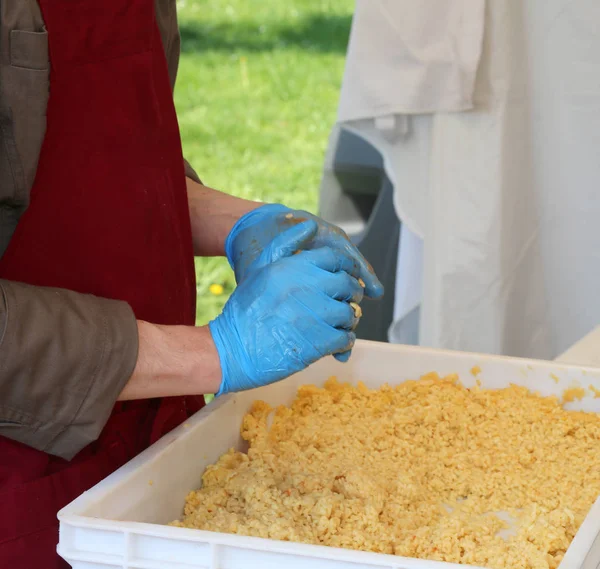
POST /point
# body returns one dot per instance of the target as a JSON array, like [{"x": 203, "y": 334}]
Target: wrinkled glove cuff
[
  {"x": 221, "y": 345},
  {"x": 232, "y": 370}
]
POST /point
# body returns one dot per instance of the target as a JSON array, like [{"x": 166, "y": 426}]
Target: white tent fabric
[
  {"x": 434, "y": 44},
  {"x": 505, "y": 195}
]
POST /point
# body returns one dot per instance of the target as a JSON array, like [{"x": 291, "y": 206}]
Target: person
[{"x": 100, "y": 218}]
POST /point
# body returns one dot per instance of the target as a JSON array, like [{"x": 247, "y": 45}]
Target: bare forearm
[
  {"x": 173, "y": 360},
  {"x": 213, "y": 214}
]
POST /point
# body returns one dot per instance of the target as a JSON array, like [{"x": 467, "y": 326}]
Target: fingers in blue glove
[
  {"x": 346, "y": 343},
  {"x": 253, "y": 233},
  {"x": 339, "y": 285},
  {"x": 352, "y": 320},
  {"x": 373, "y": 287},
  {"x": 340, "y": 313},
  {"x": 282, "y": 318},
  {"x": 336, "y": 238},
  {"x": 285, "y": 244},
  {"x": 333, "y": 261},
  {"x": 339, "y": 265},
  {"x": 343, "y": 357},
  {"x": 335, "y": 313},
  {"x": 342, "y": 286}
]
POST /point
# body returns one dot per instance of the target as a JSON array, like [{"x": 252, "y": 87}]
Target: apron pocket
[{"x": 29, "y": 49}]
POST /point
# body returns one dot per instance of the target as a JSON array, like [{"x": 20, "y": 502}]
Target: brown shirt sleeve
[
  {"x": 166, "y": 17},
  {"x": 64, "y": 359}
]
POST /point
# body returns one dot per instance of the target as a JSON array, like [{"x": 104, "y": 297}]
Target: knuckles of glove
[{"x": 255, "y": 231}]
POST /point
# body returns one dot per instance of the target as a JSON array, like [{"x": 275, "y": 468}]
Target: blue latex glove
[
  {"x": 288, "y": 313},
  {"x": 253, "y": 233}
]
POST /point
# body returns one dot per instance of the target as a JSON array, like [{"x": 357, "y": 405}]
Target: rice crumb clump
[{"x": 426, "y": 469}]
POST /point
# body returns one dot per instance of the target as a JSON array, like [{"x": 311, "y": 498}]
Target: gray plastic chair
[{"x": 356, "y": 194}]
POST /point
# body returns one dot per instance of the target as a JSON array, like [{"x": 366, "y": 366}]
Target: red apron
[{"x": 108, "y": 216}]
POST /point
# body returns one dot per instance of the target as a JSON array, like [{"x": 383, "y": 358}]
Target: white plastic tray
[{"x": 117, "y": 524}]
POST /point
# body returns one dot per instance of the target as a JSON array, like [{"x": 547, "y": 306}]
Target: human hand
[
  {"x": 255, "y": 231},
  {"x": 288, "y": 312}
]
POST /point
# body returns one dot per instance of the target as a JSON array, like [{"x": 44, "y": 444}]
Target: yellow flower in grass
[{"x": 216, "y": 289}]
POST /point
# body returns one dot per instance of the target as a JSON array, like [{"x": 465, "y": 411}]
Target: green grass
[{"x": 256, "y": 95}]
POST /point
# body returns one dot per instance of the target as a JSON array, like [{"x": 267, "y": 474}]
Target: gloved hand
[
  {"x": 253, "y": 233},
  {"x": 288, "y": 313}
]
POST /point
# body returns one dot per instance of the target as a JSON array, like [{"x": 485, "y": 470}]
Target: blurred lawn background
[{"x": 256, "y": 96}]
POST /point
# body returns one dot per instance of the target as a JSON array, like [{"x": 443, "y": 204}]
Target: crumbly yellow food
[
  {"x": 357, "y": 309},
  {"x": 572, "y": 394},
  {"x": 426, "y": 469}
]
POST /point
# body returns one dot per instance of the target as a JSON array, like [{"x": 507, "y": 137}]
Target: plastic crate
[{"x": 118, "y": 523}]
